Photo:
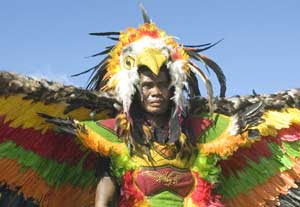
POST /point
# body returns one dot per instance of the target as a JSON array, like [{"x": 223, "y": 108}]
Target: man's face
[{"x": 155, "y": 93}]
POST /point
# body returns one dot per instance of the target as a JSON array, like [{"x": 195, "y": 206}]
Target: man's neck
[{"x": 157, "y": 121}]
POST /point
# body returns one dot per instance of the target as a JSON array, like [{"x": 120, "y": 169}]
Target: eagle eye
[{"x": 129, "y": 62}]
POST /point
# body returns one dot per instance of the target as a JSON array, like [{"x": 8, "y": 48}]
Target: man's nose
[{"x": 156, "y": 91}]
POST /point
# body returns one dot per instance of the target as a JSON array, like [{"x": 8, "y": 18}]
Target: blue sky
[{"x": 260, "y": 49}]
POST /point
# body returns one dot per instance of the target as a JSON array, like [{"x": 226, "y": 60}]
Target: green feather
[
  {"x": 255, "y": 173},
  {"x": 54, "y": 173}
]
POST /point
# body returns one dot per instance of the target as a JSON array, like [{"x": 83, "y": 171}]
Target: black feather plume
[
  {"x": 208, "y": 47},
  {"x": 90, "y": 69},
  {"x": 107, "y": 50},
  {"x": 213, "y": 66},
  {"x": 104, "y": 33},
  {"x": 83, "y": 72},
  {"x": 96, "y": 78},
  {"x": 62, "y": 125},
  {"x": 113, "y": 38},
  {"x": 193, "y": 85},
  {"x": 196, "y": 46},
  {"x": 145, "y": 15},
  {"x": 96, "y": 82},
  {"x": 218, "y": 71}
]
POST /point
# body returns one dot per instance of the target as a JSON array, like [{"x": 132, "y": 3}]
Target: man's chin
[{"x": 156, "y": 111}]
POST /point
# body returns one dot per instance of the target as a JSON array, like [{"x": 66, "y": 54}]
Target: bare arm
[{"x": 105, "y": 192}]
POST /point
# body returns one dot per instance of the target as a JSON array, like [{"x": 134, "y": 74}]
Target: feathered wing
[
  {"x": 38, "y": 166},
  {"x": 41, "y": 167},
  {"x": 264, "y": 168}
]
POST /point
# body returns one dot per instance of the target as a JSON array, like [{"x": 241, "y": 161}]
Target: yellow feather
[
  {"x": 143, "y": 203},
  {"x": 276, "y": 120},
  {"x": 23, "y": 113},
  {"x": 188, "y": 202},
  {"x": 98, "y": 143}
]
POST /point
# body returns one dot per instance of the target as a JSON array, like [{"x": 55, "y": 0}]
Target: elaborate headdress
[
  {"x": 118, "y": 74},
  {"x": 150, "y": 46}
]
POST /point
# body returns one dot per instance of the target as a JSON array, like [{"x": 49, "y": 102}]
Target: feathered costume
[{"x": 244, "y": 154}]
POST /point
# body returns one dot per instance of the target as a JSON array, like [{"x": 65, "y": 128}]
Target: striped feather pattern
[
  {"x": 257, "y": 174},
  {"x": 41, "y": 166},
  {"x": 37, "y": 163}
]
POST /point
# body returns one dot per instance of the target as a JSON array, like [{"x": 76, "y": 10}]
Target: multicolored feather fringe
[{"x": 257, "y": 174}]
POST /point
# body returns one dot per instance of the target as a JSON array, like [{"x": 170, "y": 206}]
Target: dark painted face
[{"x": 155, "y": 92}]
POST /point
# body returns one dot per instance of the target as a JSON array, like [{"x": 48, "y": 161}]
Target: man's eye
[
  {"x": 164, "y": 85},
  {"x": 147, "y": 85}
]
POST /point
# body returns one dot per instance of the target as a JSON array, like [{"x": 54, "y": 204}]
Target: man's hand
[{"x": 105, "y": 192}]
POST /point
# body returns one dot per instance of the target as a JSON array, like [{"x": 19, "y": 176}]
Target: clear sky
[{"x": 261, "y": 47}]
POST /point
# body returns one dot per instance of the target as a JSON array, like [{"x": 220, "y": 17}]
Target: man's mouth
[{"x": 156, "y": 102}]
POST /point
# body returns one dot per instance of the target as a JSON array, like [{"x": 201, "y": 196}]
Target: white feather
[
  {"x": 125, "y": 88},
  {"x": 178, "y": 80},
  {"x": 234, "y": 127},
  {"x": 145, "y": 42}
]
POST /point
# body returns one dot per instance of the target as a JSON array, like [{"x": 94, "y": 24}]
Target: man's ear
[{"x": 138, "y": 94}]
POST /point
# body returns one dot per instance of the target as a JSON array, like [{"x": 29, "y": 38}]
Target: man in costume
[
  {"x": 166, "y": 148},
  {"x": 152, "y": 108},
  {"x": 164, "y": 154},
  {"x": 147, "y": 72}
]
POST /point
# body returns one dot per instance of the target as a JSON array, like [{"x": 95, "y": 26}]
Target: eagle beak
[{"x": 152, "y": 58}]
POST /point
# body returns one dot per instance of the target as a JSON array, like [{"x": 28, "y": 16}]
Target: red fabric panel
[
  {"x": 108, "y": 124},
  {"x": 151, "y": 182}
]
